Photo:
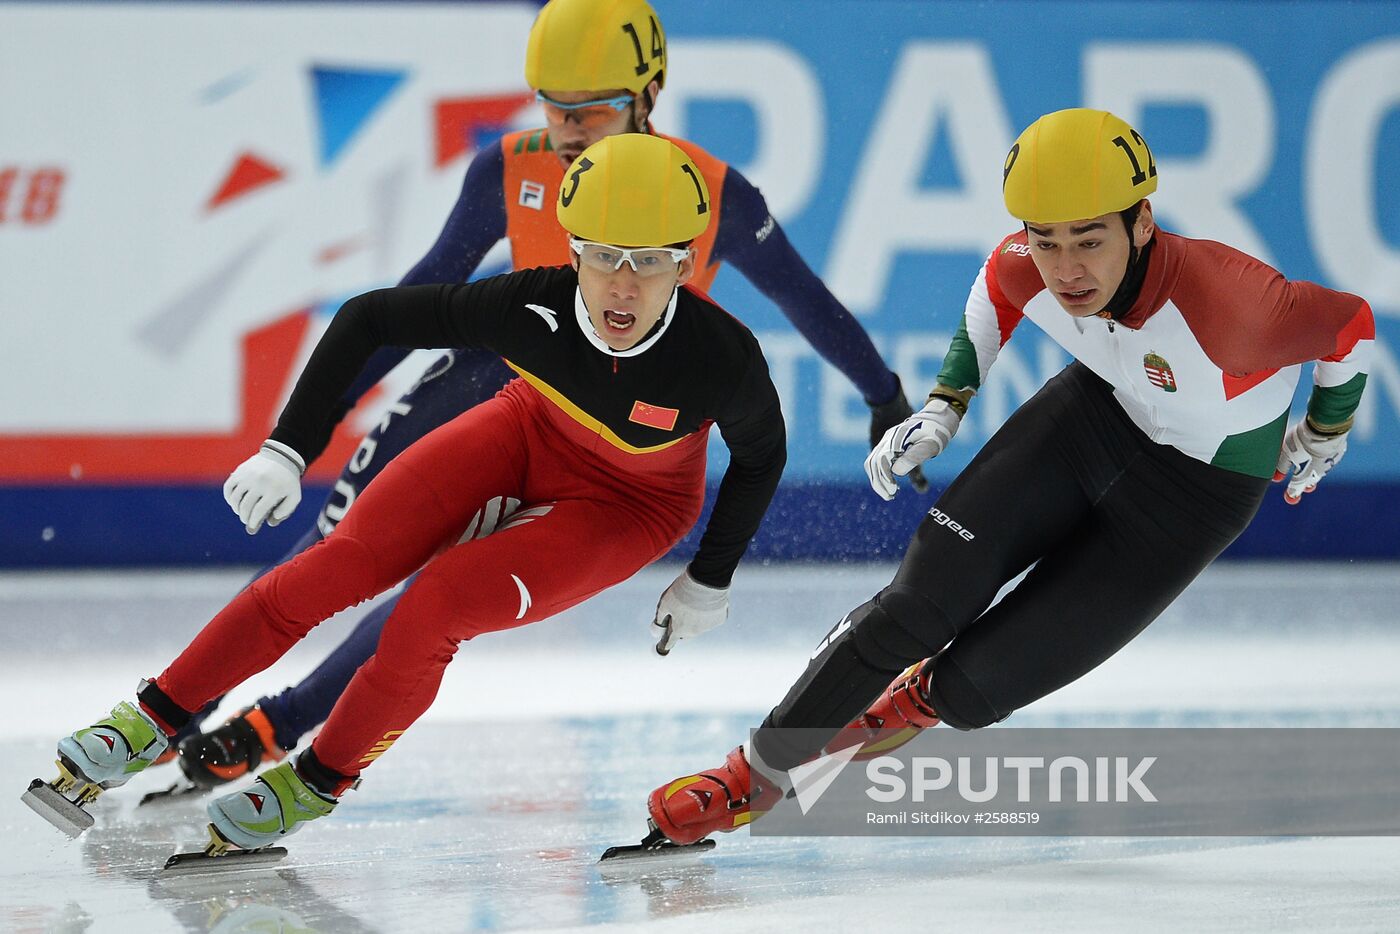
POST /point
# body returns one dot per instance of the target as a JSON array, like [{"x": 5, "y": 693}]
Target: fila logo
[
  {"x": 942, "y": 518},
  {"x": 381, "y": 747},
  {"x": 550, "y": 316},
  {"x": 532, "y": 195},
  {"x": 831, "y": 637},
  {"x": 654, "y": 416}
]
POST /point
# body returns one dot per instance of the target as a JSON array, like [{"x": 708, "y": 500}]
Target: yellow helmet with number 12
[
  {"x": 634, "y": 190},
  {"x": 1074, "y": 164},
  {"x": 595, "y": 45}
]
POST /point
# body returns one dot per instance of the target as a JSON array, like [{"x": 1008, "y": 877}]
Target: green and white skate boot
[
  {"x": 104, "y": 755},
  {"x": 112, "y": 750},
  {"x": 277, "y": 804}
]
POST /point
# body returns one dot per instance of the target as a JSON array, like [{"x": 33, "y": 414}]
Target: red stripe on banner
[
  {"x": 460, "y": 118},
  {"x": 249, "y": 173},
  {"x": 269, "y": 355}
]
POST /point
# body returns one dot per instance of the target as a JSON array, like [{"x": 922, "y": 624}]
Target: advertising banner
[{"x": 189, "y": 191}]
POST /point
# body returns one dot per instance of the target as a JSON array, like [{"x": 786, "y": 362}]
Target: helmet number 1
[
  {"x": 701, "y": 207},
  {"x": 1139, "y": 176},
  {"x": 582, "y": 165},
  {"x": 658, "y": 50}
]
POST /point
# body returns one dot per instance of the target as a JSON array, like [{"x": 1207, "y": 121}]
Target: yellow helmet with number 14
[
  {"x": 595, "y": 45},
  {"x": 1074, "y": 164}
]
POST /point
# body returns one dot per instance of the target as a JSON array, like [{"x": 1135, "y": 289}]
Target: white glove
[
  {"x": 907, "y": 445},
  {"x": 1309, "y": 454},
  {"x": 686, "y": 609},
  {"x": 266, "y": 487}
]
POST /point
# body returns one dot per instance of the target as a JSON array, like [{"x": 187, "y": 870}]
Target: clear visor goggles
[{"x": 645, "y": 261}]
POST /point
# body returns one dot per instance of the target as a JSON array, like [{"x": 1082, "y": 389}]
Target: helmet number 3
[
  {"x": 658, "y": 49},
  {"x": 581, "y": 166},
  {"x": 1139, "y": 176}
]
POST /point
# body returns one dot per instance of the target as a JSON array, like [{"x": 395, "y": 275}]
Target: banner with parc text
[{"x": 188, "y": 191}]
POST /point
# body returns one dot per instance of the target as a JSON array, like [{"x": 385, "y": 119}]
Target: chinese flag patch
[{"x": 654, "y": 416}]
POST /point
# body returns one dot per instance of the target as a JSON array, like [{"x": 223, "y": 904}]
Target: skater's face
[
  {"x": 1083, "y": 262},
  {"x": 573, "y": 128},
  {"x": 624, "y": 305}
]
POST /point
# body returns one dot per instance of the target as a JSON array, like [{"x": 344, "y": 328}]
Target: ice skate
[
  {"x": 682, "y": 813},
  {"x": 179, "y": 790},
  {"x": 715, "y": 801},
  {"x": 233, "y": 750},
  {"x": 226, "y": 753},
  {"x": 221, "y": 855},
  {"x": 895, "y": 717},
  {"x": 104, "y": 755},
  {"x": 275, "y": 805},
  {"x": 245, "y": 824}
]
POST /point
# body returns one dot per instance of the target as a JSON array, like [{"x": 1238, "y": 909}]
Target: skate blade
[
  {"x": 653, "y": 845},
  {"x": 201, "y": 863},
  {"x": 176, "y": 792},
  {"x": 56, "y": 809}
]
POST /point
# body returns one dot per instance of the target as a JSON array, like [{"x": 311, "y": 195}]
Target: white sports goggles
[{"x": 645, "y": 261}]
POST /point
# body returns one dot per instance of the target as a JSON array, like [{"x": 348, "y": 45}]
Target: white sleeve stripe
[
  {"x": 980, "y": 319},
  {"x": 1330, "y": 373}
]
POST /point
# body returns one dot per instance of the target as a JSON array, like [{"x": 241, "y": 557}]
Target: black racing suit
[{"x": 1115, "y": 525}]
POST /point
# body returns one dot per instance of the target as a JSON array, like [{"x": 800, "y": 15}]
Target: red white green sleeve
[
  {"x": 1277, "y": 322},
  {"x": 1340, "y": 378},
  {"x": 987, "y": 322}
]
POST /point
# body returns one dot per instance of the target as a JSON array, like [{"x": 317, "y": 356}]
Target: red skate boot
[
  {"x": 715, "y": 801},
  {"x": 895, "y": 717}
]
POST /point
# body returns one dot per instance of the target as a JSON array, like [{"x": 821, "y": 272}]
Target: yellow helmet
[
  {"x": 595, "y": 45},
  {"x": 1073, "y": 164},
  {"x": 634, "y": 190}
]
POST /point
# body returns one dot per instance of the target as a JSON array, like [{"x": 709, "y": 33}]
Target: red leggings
[{"x": 579, "y": 527}]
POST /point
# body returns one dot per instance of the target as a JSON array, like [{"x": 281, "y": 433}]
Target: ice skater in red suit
[{"x": 583, "y": 470}]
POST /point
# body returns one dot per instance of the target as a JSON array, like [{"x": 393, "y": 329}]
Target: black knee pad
[
  {"x": 850, "y": 667},
  {"x": 898, "y": 627},
  {"x": 957, "y": 701}
]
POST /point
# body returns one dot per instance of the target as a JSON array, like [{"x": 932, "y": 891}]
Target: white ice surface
[{"x": 541, "y": 748}]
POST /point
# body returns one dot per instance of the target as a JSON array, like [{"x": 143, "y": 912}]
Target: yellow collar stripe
[{"x": 583, "y": 418}]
